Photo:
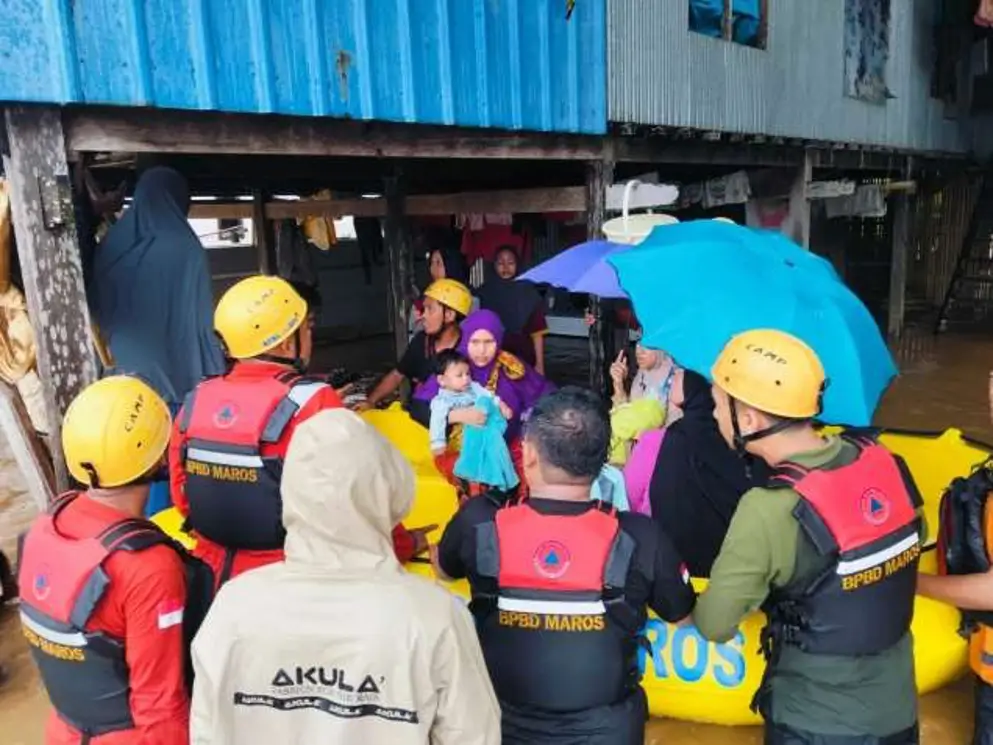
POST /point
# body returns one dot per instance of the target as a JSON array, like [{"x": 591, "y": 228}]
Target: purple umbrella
[{"x": 582, "y": 268}]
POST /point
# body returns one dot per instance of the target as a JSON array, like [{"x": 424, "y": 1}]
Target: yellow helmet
[
  {"x": 452, "y": 294},
  {"x": 257, "y": 314},
  {"x": 115, "y": 431},
  {"x": 771, "y": 371}
]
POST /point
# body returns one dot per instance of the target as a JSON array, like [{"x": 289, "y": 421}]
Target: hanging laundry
[
  {"x": 867, "y": 201},
  {"x": 470, "y": 222},
  {"x": 483, "y": 235},
  {"x": 830, "y": 189},
  {"x": 294, "y": 257},
  {"x": 690, "y": 194},
  {"x": 369, "y": 234},
  {"x": 767, "y": 214},
  {"x": 731, "y": 189},
  {"x": 645, "y": 195},
  {"x": 319, "y": 230}
]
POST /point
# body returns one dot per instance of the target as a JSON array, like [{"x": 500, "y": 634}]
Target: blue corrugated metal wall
[
  {"x": 662, "y": 73},
  {"x": 516, "y": 64}
]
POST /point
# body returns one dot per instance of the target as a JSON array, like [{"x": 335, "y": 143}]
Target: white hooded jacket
[{"x": 339, "y": 645}]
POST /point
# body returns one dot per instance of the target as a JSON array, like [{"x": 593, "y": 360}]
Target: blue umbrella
[
  {"x": 696, "y": 284},
  {"x": 582, "y": 268}
]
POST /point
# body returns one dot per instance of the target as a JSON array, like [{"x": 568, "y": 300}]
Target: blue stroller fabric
[{"x": 485, "y": 457}]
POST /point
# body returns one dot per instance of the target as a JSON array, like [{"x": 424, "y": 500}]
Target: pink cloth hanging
[{"x": 640, "y": 468}]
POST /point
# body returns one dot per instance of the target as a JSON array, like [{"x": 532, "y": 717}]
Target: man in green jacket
[{"x": 828, "y": 550}]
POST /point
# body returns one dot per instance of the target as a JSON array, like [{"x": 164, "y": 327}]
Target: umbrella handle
[{"x": 628, "y": 188}]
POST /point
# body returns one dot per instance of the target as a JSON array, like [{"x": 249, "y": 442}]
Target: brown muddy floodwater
[{"x": 950, "y": 389}]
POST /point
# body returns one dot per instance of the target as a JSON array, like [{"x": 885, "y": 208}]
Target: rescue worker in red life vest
[
  {"x": 560, "y": 586},
  {"x": 828, "y": 549},
  {"x": 966, "y": 580},
  {"x": 231, "y": 435},
  {"x": 103, "y": 591}
]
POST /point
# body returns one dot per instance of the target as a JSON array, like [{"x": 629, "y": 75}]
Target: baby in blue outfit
[{"x": 484, "y": 457}]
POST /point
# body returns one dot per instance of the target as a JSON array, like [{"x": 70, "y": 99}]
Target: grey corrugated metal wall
[
  {"x": 659, "y": 72},
  {"x": 983, "y": 135}
]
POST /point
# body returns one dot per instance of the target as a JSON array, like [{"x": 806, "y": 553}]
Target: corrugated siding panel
[
  {"x": 659, "y": 72},
  {"x": 982, "y": 129},
  {"x": 515, "y": 64}
]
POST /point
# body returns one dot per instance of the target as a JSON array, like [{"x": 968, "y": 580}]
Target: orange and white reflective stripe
[
  {"x": 65, "y": 638},
  {"x": 219, "y": 458},
  {"x": 303, "y": 393},
  {"x": 552, "y": 607},
  {"x": 874, "y": 559}
]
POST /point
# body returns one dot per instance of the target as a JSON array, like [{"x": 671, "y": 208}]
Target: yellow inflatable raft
[{"x": 685, "y": 676}]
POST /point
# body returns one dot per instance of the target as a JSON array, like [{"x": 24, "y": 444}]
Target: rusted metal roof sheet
[
  {"x": 514, "y": 64},
  {"x": 661, "y": 73}
]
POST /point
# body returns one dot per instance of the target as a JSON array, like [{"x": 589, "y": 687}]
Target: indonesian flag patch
[
  {"x": 170, "y": 614},
  {"x": 684, "y": 572}
]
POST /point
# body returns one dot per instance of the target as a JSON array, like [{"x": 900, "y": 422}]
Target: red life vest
[
  {"x": 231, "y": 487},
  {"x": 555, "y": 615},
  {"x": 62, "y": 580},
  {"x": 863, "y": 516}
]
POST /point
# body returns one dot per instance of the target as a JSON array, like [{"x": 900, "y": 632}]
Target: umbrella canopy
[
  {"x": 582, "y": 268},
  {"x": 732, "y": 279}
]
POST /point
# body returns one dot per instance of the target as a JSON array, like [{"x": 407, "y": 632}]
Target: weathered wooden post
[
  {"x": 265, "y": 237},
  {"x": 898, "y": 265},
  {"x": 799, "y": 218},
  {"x": 902, "y": 211},
  {"x": 399, "y": 259},
  {"x": 599, "y": 175},
  {"x": 48, "y": 248}
]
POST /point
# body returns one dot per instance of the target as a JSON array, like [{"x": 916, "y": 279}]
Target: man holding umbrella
[{"x": 828, "y": 550}]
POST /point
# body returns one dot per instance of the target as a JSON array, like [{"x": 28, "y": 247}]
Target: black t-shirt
[
  {"x": 417, "y": 363},
  {"x": 656, "y": 578}
]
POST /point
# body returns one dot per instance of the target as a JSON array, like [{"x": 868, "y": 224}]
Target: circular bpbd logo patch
[
  {"x": 875, "y": 506},
  {"x": 41, "y": 586},
  {"x": 226, "y": 415},
  {"x": 552, "y": 559}
]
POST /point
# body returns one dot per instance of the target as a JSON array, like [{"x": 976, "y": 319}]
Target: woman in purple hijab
[{"x": 516, "y": 383}]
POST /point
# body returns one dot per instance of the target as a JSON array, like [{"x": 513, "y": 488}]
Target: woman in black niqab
[
  {"x": 698, "y": 479},
  {"x": 151, "y": 293}
]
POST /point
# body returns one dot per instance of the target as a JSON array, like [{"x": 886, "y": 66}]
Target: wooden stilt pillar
[
  {"x": 599, "y": 175},
  {"x": 29, "y": 453},
  {"x": 799, "y": 218},
  {"x": 265, "y": 237},
  {"x": 48, "y": 248},
  {"x": 900, "y": 204},
  {"x": 400, "y": 265}
]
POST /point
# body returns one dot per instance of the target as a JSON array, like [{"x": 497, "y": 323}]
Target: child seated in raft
[
  {"x": 647, "y": 406},
  {"x": 483, "y": 458}
]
